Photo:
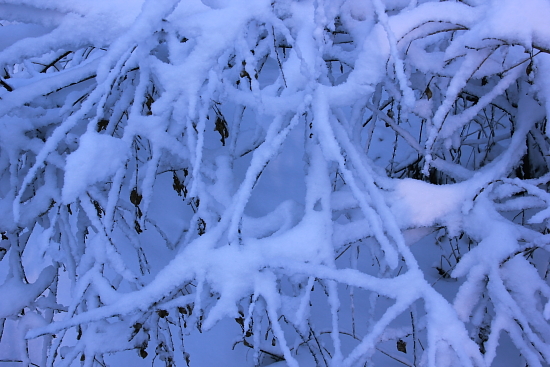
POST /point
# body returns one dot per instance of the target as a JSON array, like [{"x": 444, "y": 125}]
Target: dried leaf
[
  {"x": 178, "y": 186},
  {"x": 428, "y": 92},
  {"x": 135, "y": 197},
  {"x": 98, "y": 209},
  {"x": 221, "y": 128},
  {"x": 402, "y": 346},
  {"x": 102, "y": 125},
  {"x": 529, "y": 68},
  {"x": 162, "y": 313},
  {"x": 137, "y": 227},
  {"x": 201, "y": 226}
]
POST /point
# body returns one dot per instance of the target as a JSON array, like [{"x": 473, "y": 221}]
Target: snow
[
  {"x": 97, "y": 158},
  {"x": 299, "y": 182},
  {"x": 420, "y": 204},
  {"x": 524, "y": 23},
  {"x": 22, "y": 294}
]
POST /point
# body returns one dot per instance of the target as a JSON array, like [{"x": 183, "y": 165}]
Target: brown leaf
[
  {"x": 135, "y": 197},
  {"x": 529, "y": 68},
  {"x": 428, "y": 92},
  {"x": 402, "y": 346}
]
